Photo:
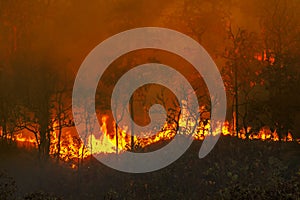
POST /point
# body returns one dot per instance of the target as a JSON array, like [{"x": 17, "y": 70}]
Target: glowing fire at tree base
[{"x": 71, "y": 147}]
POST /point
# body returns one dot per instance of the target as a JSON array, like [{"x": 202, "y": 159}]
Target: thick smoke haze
[
  {"x": 68, "y": 30},
  {"x": 255, "y": 45}
]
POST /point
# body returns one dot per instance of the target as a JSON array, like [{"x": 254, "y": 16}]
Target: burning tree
[
  {"x": 240, "y": 76},
  {"x": 42, "y": 105},
  {"x": 7, "y": 105},
  {"x": 62, "y": 114},
  {"x": 280, "y": 33}
]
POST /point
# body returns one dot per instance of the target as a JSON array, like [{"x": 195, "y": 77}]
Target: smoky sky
[{"x": 67, "y": 30}]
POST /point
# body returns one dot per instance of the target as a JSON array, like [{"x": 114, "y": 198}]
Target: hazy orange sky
[{"x": 68, "y": 30}]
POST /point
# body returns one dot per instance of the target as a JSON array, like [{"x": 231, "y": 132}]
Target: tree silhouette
[{"x": 281, "y": 32}]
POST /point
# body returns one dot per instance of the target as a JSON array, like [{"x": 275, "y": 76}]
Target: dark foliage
[
  {"x": 8, "y": 187},
  {"x": 235, "y": 169}
]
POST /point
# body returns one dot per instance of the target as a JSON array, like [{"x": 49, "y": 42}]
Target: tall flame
[{"x": 71, "y": 147}]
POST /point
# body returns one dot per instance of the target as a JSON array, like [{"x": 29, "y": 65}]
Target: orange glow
[
  {"x": 258, "y": 57},
  {"x": 265, "y": 56},
  {"x": 19, "y": 137},
  {"x": 72, "y": 147},
  {"x": 288, "y": 138}
]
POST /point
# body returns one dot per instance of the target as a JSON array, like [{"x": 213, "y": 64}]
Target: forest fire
[
  {"x": 80, "y": 82},
  {"x": 72, "y": 147}
]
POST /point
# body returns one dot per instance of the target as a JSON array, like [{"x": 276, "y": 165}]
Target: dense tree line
[{"x": 259, "y": 67}]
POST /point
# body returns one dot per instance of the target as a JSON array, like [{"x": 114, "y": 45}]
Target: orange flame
[{"x": 71, "y": 147}]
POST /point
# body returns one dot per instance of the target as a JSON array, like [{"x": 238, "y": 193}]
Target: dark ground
[{"x": 235, "y": 169}]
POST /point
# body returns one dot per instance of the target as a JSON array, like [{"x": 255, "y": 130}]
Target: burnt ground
[{"x": 235, "y": 169}]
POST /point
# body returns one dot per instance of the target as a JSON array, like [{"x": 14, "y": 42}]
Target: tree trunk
[
  {"x": 132, "y": 124},
  {"x": 58, "y": 144},
  {"x": 4, "y": 128},
  {"x": 117, "y": 138},
  {"x": 236, "y": 102}
]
